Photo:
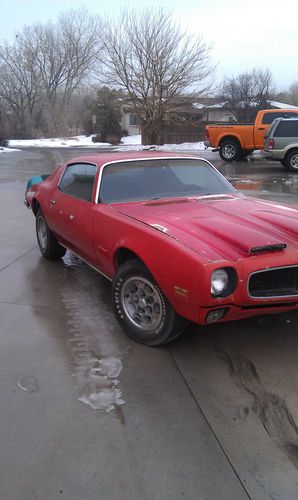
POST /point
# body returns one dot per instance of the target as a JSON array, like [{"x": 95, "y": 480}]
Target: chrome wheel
[
  {"x": 229, "y": 151},
  {"x": 42, "y": 232},
  {"x": 294, "y": 161},
  {"x": 142, "y": 303}
]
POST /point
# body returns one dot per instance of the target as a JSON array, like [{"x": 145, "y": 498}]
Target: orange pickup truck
[{"x": 234, "y": 142}]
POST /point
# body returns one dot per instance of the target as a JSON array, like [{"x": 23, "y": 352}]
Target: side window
[
  {"x": 78, "y": 180},
  {"x": 287, "y": 129}
]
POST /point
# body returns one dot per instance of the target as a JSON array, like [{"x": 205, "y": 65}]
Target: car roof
[{"x": 102, "y": 158}]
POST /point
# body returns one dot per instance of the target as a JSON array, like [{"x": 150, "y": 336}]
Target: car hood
[{"x": 219, "y": 227}]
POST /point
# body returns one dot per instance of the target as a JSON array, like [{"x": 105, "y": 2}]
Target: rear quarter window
[{"x": 287, "y": 129}]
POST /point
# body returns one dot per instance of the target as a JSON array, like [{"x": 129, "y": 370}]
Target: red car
[{"x": 175, "y": 238}]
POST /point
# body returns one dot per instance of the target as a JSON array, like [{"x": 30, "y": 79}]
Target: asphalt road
[{"x": 213, "y": 415}]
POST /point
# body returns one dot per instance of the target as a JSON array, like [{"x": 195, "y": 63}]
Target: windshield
[{"x": 161, "y": 178}]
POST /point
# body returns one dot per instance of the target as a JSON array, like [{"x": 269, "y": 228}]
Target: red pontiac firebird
[{"x": 175, "y": 238}]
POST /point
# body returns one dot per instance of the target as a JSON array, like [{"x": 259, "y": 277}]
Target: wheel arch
[
  {"x": 291, "y": 149},
  {"x": 233, "y": 138},
  {"x": 35, "y": 206},
  {"x": 123, "y": 255}
]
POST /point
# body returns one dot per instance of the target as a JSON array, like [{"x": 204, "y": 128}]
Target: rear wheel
[
  {"x": 142, "y": 309},
  {"x": 291, "y": 160},
  {"x": 48, "y": 245},
  {"x": 243, "y": 154},
  {"x": 230, "y": 150}
]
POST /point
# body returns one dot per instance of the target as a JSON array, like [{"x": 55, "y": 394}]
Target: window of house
[
  {"x": 78, "y": 181},
  {"x": 134, "y": 119}
]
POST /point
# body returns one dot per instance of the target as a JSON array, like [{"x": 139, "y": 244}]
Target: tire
[
  {"x": 48, "y": 245},
  {"x": 230, "y": 150},
  {"x": 291, "y": 161},
  {"x": 283, "y": 162},
  {"x": 141, "y": 308},
  {"x": 243, "y": 154}
]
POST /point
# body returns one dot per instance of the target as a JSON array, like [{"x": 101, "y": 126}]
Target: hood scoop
[{"x": 267, "y": 248}]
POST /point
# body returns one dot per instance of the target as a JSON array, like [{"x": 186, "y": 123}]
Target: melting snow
[
  {"x": 97, "y": 351},
  {"x": 106, "y": 399}
]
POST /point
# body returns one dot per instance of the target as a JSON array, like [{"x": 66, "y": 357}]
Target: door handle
[
  {"x": 52, "y": 202},
  {"x": 261, "y": 128}
]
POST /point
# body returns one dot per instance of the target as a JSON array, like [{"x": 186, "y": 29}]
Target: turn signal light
[{"x": 215, "y": 315}]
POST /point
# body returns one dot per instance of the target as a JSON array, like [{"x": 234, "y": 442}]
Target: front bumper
[
  {"x": 234, "y": 313},
  {"x": 240, "y": 304}
]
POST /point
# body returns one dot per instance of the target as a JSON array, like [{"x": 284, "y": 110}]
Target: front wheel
[
  {"x": 291, "y": 161},
  {"x": 141, "y": 308},
  {"x": 48, "y": 245},
  {"x": 229, "y": 150}
]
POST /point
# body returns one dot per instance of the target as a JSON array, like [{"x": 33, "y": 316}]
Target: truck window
[
  {"x": 269, "y": 117},
  {"x": 287, "y": 129}
]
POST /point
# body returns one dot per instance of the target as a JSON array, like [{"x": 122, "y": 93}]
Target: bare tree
[
  {"x": 148, "y": 55},
  {"x": 19, "y": 84},
  {"x": 291, "y": 95},
  {"x": 42, "y": 69},
  {"x": 248, "y": 92}
]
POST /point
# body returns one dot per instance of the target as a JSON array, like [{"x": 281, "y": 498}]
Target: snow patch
[
  {"x": 8, "y": 150},
  {"x": 129, "y": 143}
]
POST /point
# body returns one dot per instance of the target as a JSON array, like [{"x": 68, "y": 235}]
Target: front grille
[{"x": 281, "y": 282}]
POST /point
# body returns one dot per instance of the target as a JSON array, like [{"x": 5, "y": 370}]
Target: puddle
[
  {"x": 265, "y": 183},
  {"x": 96, "y": 345}
]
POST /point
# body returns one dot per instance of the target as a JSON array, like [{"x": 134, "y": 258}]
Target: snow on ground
[
  {"x": 79, "y": 140},
  {"x": 133, "y": 143},
  {"x": 129, "y": 143},
  {"x": 8, "y": 150},
  {"x": 131, "y": 139}
]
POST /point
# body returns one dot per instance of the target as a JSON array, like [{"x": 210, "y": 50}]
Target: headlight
[{"x": 219, "y": 281}]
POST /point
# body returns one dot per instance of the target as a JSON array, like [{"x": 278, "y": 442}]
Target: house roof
[
  {"x": 214, "y": 103},
  {"x": 282, "y": 105}
]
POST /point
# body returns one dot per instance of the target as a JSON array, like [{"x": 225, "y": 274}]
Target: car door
[{"x": 71, "y": 208}]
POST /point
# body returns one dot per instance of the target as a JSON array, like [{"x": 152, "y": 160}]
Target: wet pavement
[{"x": 86, "y": 413}]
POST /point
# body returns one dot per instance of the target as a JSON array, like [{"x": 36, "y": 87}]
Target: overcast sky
[{"x": 261, "y": 34}]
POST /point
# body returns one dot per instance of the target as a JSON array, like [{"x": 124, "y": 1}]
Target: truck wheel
[
  {"x": 291, "y": 160},
  {"x": 141, "y": 308},
  {"x": 245, "y": 153},
  {"x": 229, "y": 150}
]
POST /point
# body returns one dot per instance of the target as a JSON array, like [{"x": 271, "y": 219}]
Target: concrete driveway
[{"x": 212, "y": 416}]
